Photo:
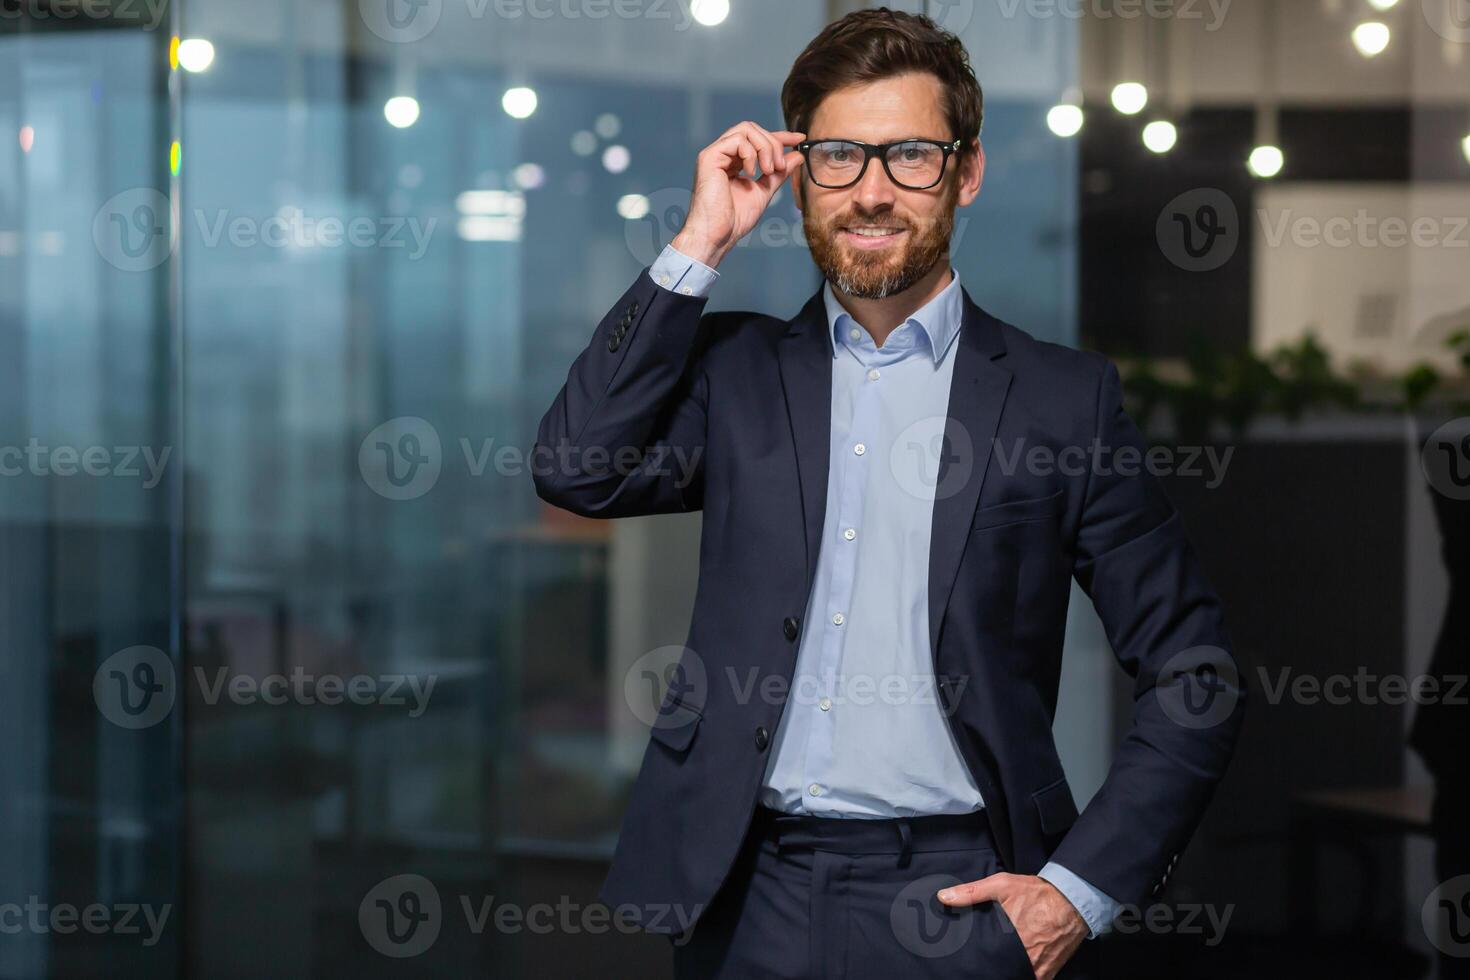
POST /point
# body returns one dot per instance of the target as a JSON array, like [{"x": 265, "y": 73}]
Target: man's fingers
[
  {"x": 737, "y": 149},
  {"x": 769, "y": 146},
  {"x": 974, "y": 892}
]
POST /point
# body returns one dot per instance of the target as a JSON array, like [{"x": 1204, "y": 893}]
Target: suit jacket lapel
[
  {"x": 977, "y": 396},
  {"x": 805, "y": 353}
]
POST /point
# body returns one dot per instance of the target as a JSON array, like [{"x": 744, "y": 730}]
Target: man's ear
[{"x": 972, "y": 175}]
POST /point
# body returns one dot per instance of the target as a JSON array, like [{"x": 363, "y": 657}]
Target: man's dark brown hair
[{"x": 868, "y": 45}]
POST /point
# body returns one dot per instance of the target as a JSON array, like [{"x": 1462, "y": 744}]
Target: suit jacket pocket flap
[
  {"x": 1015, "y": 511},
  {"x": 1055, "y": 807},
  {"x": 675, "y": 725}
]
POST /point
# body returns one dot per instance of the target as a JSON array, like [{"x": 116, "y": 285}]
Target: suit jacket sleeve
[
  {"x": 626, "y": 433},
  {"x": 1166, "y": 629}
]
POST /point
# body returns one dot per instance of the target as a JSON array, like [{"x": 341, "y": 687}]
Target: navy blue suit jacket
[{"x": 747, "y": 398}]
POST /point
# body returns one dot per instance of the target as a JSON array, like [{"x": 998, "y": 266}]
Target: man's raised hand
[{"x": 728, "y": 198}]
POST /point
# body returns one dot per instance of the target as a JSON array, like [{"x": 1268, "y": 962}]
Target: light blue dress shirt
[{"x": 864, "y": 734}]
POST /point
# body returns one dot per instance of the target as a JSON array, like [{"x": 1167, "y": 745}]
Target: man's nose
[{"x": 875, "y": 191}]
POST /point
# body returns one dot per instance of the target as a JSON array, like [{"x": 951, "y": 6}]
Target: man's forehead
[{"x": 882, "y": 111}]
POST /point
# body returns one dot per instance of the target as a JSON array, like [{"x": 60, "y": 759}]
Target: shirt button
[
  {"x": 873, "y": 374},
  {"x": 663, "y": 280},
  {"x": 860, "y": 449},
  {"x": 686, "y": 290},
  {"x": 849, "y": 534},
  {"x": 825, "y": 704},
  {"x": 814, "y": 789},
  {"x": 854, "y": 333},
  {"x": 838, "y": 619}
]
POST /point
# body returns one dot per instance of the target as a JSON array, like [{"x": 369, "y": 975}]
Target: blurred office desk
[{"x": 1347, "y": 819}]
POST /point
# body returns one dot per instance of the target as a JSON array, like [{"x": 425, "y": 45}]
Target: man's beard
[{"x": 879, "y": 273}]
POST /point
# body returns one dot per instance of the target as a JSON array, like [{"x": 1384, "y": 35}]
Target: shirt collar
[{"x": 939, "y": 319}]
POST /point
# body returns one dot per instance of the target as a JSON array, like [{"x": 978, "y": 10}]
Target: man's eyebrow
[{"x": 850, "y": 139}]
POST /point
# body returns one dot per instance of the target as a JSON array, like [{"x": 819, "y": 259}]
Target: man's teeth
[{"x": 873, "y": 232}]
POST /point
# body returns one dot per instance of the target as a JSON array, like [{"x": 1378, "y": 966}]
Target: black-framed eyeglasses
[{"x": 913, "y": 164}]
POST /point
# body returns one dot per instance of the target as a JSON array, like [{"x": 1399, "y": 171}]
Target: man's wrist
[
  {"x": 1094, "y": 906},
  {"x": 702, "y": 252}
]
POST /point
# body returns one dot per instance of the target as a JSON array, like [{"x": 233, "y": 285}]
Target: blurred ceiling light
[
  {"x": 633, "y": 206},
  {"x": 196, "y": 54},
  {"x": 496, "y": 204},
  {"x": 1065, "y": 120},
  {"x": 1465, "y": 145},
  {"x": 1371, "y": 38},
  {"x": 519, "y": 102},
  {"x": 1160, "y": 136},
  {"x": 482, "y": 228},
  {"x": 27, "y": 138},
  {"x": 710, "y": 13},
  {"x": 175, "y": 157},
  {"x": 528, "y": 176},
  {"x": 1266, "y": 161},
  {"x": 584, "y": 144},
  {"x": 616, "y": 159},
  {"x": 1130, "y": 98},
  {"x": 608, "y": 125},
  {"x": 401, "y": 111},
  {"x": 1383, "y": 4}
]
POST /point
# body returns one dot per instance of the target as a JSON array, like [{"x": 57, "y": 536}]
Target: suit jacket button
[
  {"x": 761, "y": 739},
  {"x": 614, "y": 342},
  {"x": 790, "y": 627}
]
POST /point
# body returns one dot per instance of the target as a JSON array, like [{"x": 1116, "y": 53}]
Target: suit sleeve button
[
  {"x": 761, "y": 739},
  {"x": 790, "y": 627}
]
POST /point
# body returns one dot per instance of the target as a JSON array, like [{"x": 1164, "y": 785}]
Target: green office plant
[{"x": 1234, "y": 388}]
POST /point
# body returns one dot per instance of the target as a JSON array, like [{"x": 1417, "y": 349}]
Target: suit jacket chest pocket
[
  {"x": 1017, "y": 569},
  {"x": 1046, "y": 510}
]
